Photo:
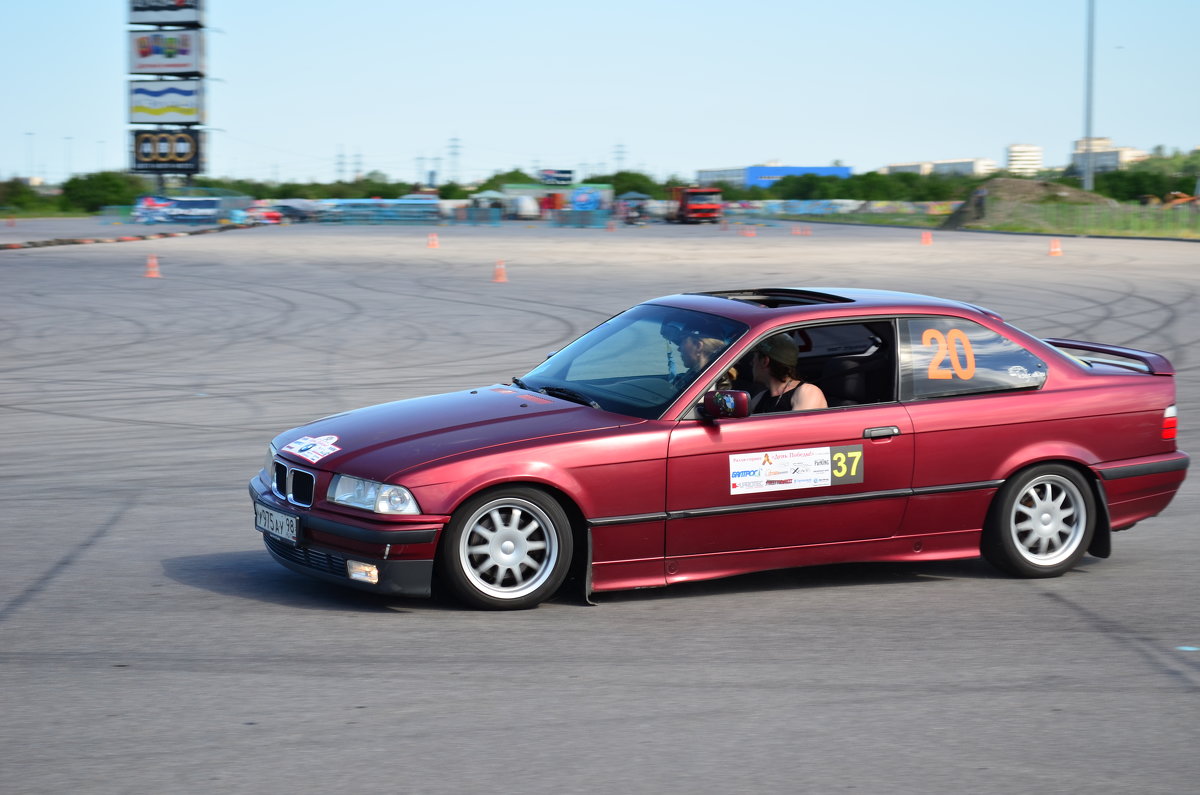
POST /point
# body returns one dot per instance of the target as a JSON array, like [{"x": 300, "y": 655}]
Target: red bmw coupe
[{"x": 656, "y": 448}]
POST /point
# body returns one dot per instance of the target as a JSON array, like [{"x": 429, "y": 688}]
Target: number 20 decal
[{"x": 952, "y": 349}]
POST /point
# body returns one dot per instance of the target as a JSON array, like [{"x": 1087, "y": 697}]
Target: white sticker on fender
[
  {"x": 805, "y": 468},
  {"x": 312, "y": 449}
]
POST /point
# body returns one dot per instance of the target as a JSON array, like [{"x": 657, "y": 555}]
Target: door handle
[{"x": 881, "y": 433}]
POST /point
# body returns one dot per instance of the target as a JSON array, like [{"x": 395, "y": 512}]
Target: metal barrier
[
  {"x": 115, "y": 214},
  {"x": 581, "y": 219},
  {"x": 1094, "y": 219},
  {"x": 749, "y": 215},
  {"x": 476, "y": 216},
  {"x": 366, "y": 215}
]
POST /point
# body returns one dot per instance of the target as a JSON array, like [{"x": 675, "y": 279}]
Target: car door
[
  {"x": 976, "y": 399},
  {"x": 751, "y": 493}
]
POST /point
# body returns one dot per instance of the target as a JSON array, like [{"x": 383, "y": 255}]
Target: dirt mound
[
  {"x": 1030, "y": 191},
  {"x": 1005, "y": 197}
]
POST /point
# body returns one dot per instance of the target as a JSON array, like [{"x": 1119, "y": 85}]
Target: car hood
[{"x": 379, "y": 442}]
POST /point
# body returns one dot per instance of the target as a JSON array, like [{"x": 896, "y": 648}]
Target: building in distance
[
  {"x": 1024, "y": 160},
  {"x": 1103, "y": 155},
  {"x": 972, "y": 167},
  {"x": 765, "y": 175}
]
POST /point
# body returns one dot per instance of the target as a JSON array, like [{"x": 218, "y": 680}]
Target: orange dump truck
[{"x": 693, "y": 205}]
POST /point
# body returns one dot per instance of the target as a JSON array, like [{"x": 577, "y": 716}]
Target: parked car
[
  {"x": 264, "y": 214},
  {"x": 949, "y": 434},
  {"x": 293, "y": 214}
]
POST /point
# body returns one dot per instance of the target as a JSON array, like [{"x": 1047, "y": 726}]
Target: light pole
[
  {"x": 32, "y": 140},
  {"x": 1089, "y": 167}
]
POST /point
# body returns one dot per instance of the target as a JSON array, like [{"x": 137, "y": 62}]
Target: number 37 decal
[{"x": 953, "y": 356}]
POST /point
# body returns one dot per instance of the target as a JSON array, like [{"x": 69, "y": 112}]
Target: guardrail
[
  {"x": 582, "y": 219},
  {"x": 380, "y": 215},
  {"x": 476, "y": 216},
  {"x": 1093, "y": 219},
  {"x": 115, "y": 214}
]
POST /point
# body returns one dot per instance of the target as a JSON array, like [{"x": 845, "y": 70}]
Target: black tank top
[{"x": 780, "y": 402}]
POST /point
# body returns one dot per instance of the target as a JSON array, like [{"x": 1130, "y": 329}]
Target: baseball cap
[
  {"x": 676, "y": 331},
  {"x": 780, "y": 347}
]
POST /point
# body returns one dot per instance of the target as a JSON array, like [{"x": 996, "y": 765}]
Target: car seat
[{"x": 858, "y": 378}]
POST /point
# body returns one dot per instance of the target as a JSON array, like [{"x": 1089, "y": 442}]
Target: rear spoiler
[{"x": 1129, "y": 358}]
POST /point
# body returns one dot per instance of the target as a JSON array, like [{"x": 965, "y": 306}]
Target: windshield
[
  {"x": 638, "y": 362},
  {"x": 704, "y": 198}
]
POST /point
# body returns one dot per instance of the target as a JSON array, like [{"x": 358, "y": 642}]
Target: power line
[{"x": 453, "y": 165}]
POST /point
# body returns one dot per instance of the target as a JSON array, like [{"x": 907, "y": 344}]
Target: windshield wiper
[
  {"x": 517, "y": 382},
  {"x": 569, "y": 394}
]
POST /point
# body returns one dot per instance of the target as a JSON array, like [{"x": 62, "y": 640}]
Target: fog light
[{"x": 363, "y": 572}]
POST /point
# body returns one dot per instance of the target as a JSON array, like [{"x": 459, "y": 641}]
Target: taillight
[{"x": 1170, "y": 421}]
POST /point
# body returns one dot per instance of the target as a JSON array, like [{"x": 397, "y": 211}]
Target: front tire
[
  {"x": 506, "y": 550},
  {"x": 1041, "y": 522}
]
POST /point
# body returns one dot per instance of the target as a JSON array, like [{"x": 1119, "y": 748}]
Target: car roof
[{"x": 762, "y": 304}]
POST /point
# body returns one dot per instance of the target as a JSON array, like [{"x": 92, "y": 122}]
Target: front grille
[
  {"x": 308, "y": 558},
  {"x": 297, "y": 486}
]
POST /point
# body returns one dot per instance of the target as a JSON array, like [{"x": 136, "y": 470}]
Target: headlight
[
  {"x": 269, "y": 466},
  {"x": 371, "y": 496}
]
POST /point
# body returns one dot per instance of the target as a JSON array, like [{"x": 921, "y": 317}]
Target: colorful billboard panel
[
  {"x": 167, "y": 151},
  {"x": 166, "y": 52},
  {"x": 165, "y": 210},
  {"x": 166, "y": 102},
  {"x": 188, "y": 13},
  {"x": 556, "y": 176}
]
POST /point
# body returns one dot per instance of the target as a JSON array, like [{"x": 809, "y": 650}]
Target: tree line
[{"x": 1156, "y": 176}]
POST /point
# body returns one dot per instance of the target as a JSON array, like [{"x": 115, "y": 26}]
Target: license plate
[{"x": 283, "y": 526}]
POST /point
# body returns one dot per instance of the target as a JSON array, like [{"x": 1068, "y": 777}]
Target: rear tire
[
  {"x": 1041, "y": 522},
  {"x": 507, "y": 549}
]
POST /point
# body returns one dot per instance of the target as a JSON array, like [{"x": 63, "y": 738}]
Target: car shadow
[
  {"x": 840, "y": 575},
  {"x": 252, "y": 574}
]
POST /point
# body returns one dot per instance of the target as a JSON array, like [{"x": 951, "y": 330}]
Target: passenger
[{"x": 775, "y": 365}]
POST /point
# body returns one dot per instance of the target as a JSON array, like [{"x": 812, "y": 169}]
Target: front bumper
[
  {"x": 403, "y": 555},
  {"x": 396, "y": 577}
]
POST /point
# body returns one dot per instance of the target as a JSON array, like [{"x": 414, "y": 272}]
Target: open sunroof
[{"x": 780, "y": 296}]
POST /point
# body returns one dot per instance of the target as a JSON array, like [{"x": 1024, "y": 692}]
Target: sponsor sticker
[
  {"x": 1019, "y": 373},
  {"x": 803, "y": 468},
  {"x": 311, "y": 448}
]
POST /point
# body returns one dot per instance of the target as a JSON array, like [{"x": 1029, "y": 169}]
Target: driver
[{"x": 697, "y": 350}]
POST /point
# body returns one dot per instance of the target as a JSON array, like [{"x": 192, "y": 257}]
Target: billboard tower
[{"x": 166, "y": 103}]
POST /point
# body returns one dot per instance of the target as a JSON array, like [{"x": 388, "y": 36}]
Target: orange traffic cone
[
  {"x": 152, "y": 267},
  {"x": 806, "y": 232},
  {"x": 749, "y": 233},
  {"x": 927, "y": 238},
  {"x": 795, "y": 229},
  {"x": 433, "y": 241},
  {"x": 1055, "y": 247},
  {"x": 499, "y": 274}
]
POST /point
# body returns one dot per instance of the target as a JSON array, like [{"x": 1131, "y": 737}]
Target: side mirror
[{"x": 726, "y": 404}]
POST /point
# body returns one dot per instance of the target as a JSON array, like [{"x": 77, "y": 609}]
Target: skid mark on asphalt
[
  {"x": 1184, "y": 672},
  {"x": 62, "y": 564}
]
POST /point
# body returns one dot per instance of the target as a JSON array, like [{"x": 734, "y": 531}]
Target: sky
[{"x": 301, "y": 90}]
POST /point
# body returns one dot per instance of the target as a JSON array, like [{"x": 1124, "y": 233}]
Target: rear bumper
[{"x": 1139, "y": 488}]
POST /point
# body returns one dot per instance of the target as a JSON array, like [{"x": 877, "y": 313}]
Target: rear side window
[{"x": 953, "y": 356}]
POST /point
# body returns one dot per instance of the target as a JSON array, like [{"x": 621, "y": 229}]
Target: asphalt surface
[{"x": 149, "y": 644}]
